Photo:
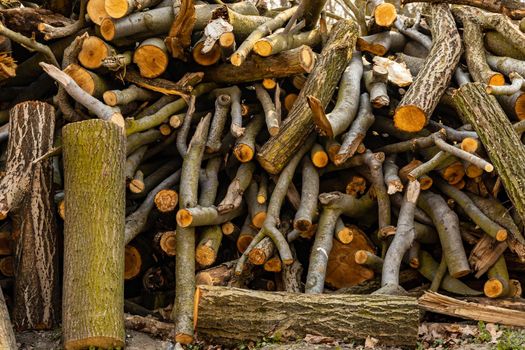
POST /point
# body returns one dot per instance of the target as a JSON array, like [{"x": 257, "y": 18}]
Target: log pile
[{"x": 184, "y": 147}]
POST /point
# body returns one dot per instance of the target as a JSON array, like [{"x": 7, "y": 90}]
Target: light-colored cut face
[
  {"x": 208, "y": 58},
  {"x": 107, "y": 29},
  {"x": 96, "y": 11},
  {"x": 151, "y": 60},
  {"x": 519, "y": 107},
  {"x": 497, "y": 79},
  {"x": 93, "y": 52},
  {"x": 385, "y": 14},
  {"x": 133, "y": 262},
  {"x": 116, "y": 8},
  {"x": 409, "y": 118},
  {"x": 81, "y": 77}
]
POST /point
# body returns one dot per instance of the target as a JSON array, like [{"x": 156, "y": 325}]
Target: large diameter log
[
  {"x": 321, "y": 83},
  {"x": 93, "y": 292},
  {"x": 498, "y": 137},
  {"x": 423, "y": 96},
  {"x": 288, "y": 63},
  {"x": 36, "y": 293},
  {"x": 253, "y": 315}
]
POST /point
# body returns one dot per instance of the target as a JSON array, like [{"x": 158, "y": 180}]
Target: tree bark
[
  {"x": 512, "y": 8},
  {"x": 498, "y": 137},
  {"x": 93, "y": 300},
  {"x": 36, "y": 264},
  {"x": 321, "y": 83},
  {"x": 7, "y": 336},
  {"x": 422, "y": 97},
  {"x": 393, "y": 320}
]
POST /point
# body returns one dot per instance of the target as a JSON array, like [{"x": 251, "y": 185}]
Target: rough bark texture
[
  {"x": 7, "y": 336},
  {"x": 36, "y": 260},
  {"x": 321, "y": 83},
  {"x": 422, "y": 97},
  {"x": 93, "y": 300},
  {"x": 512, "y": 8},
  {"x": 498, "y": 137},
  {"x": 392, "y": 320}
]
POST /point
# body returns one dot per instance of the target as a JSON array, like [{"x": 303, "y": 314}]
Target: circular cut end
[
  {"x": 497, "y": 80},
  {"x": 257, "y": 257},
  {"x": 94, "y": 342},
  {"x": 93, "y": 51},
  {"x": 345, "y": 236},
  {"x": 184, "y": 218},
  {"x": 320, "y": 159},
  {"x": 168, "y": 243},
  {"x": 110, "y": 98},
  {"x": 289, "y": 101},
  {"x": 263, "y": 48},
  {"x": 227, "y": 40},
  {"x": 96, "y": 11},
  {"x": 386, "y": 231},
  {"x": 151, "y": 60},
  {"x": 236, "y": 59},
  {"x": 107, "y": 29},
  {"x": 205, "y": 255},
  {"x": 61, "y": 210},
  {"x": 206, "y": 59},
  {"x": 454, "y": 173},
  {"x": 519, "y": 107},
  {"x": 166, "y": 200},
  {"x": 414, "y": 263},
  {"x": 258, "y": 219},
  {"x": 273, "y": 265},
  {"x": 409, "y": 118},
  {"x": 385, "y": 14},
  {"x": 165, "y": 129},
  {"x": 460, "y": 185},
  {"x": 493, "y": 288},
  {"x": 243, "y": 153},
  {"x": 361, "y": 256},
  {"x": 184, "y": 339},
  {"x": 473, "y": 171},
  {"x": 116, "y": 8},
  {"x": 469, "y": 145},
  {"x": 489, "y": 168},
  {"x": 176, "y": 121},
  {"x": 302, "y": 225},
  {"x": 307, "y": 59},
  {"x": 81, "y": 77},
  {"x": 261, "y": 199},
  {"x": 501, "y": 235},
  {"x": 274, "y": 130},
  {"x": 425, "y": 182},
  {"x": 132, "y": 262},
  {"x": 136, "y": 186},
  {"x": 7, "y": 266},
  {"x": 228, "y": 228},
  {"x": 243, "y": 242},
  {"x": 269, "y": 84}
]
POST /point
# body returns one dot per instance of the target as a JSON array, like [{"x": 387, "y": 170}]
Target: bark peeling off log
[{"x": 393, "y": 320}]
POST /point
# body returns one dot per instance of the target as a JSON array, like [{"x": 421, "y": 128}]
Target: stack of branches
[{"x": 267, "y": 149}]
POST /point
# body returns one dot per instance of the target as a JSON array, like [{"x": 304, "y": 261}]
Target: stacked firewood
[{"x": 288, "y": 149}]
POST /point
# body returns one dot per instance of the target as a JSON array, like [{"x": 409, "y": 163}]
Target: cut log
[
  {"x": 321, "y": 83},
  {"x": 498, "y": 138},
  {"x": 285, "y": 64},
  {"x": 512, "y": 8},
  {"x": 36, "y": 247},
  {"x": 7, "y": 336},
  {"x": 93, "y": 313},
  {"x": 422, "y": 97},
  {"x": 289, "y": 316},
  {"x": 151, "y": 57}
]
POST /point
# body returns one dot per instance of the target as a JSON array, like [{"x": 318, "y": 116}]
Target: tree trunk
[
  {"x": 321, "y": 83},
  {"x": 34, "y": 227},
  {"x": 422, "y": 97},
  {"x": 93, "y": 300},
  {"x": 393, "y": 320},
  {"x": 498, "y": 137}
]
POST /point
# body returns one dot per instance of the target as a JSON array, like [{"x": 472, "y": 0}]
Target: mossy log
[
  {"x": 498, "y": 138},
  {"x": 321, "y": 83},
  {"x": 253, "y": 315},
  {"x": 93, "y": 294}
]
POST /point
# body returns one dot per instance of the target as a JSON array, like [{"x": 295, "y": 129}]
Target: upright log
[
  {"x": 422, "y": 97},
  {"x": 93, "y": 292},
  {"x": 393, "y": 320},
  {"x": 502, "y": 143},
  {"x": 321, "y": 83},
  {"x": 36, "y": 294}
]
